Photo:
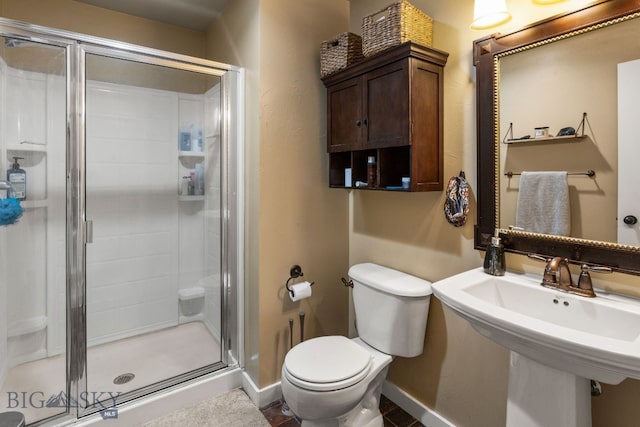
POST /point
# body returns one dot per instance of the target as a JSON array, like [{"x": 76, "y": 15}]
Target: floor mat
[{"x": 231, "y": 409}]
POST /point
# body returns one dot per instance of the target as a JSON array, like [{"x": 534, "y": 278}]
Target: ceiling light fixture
[
  {"x": 545, "y": 2},
  {"x": 489, "y": 13}
]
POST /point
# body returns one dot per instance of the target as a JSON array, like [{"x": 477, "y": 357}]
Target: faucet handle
[
  {"x": 597, "y": 268},
  {"x": 584, "y": 281},
  {"x": 585, "y": 285}
]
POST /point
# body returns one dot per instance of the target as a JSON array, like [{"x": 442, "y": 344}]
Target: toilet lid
[{"x": 327, "y": 363}]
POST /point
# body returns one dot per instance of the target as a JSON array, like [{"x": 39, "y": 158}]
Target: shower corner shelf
[
  {"x": 34, "y": 204},
  {"x": 190, "y": 198},
  {"x": 28, "y": 146},
  {"x": 186, "y": 154}
]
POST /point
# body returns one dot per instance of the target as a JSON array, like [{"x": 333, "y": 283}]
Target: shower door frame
[{"x": 79, "y": 233}]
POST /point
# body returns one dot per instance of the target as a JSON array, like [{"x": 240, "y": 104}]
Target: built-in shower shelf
[
  {"x": 27, "y": 146},
  {"x": 34, "y": 204},
  {"x": 191, "y": 198},
  {"x": 186, "y": 154}
]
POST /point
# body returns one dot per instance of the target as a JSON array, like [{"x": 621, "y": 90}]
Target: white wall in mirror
[{"x": 628, "y": 152}]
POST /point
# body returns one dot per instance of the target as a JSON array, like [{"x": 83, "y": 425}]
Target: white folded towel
[{"x": 543, "y": 203}]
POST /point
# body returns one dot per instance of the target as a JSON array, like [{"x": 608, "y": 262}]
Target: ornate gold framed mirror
[{"x": 512, "y": 110}]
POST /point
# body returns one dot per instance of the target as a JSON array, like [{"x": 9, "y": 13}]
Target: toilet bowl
[
  {"x": 343, "y": 382},
  {"x": 335, "y": 381}
]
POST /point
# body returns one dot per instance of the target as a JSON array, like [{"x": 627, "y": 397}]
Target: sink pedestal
[{"x": 541, "y": 396}]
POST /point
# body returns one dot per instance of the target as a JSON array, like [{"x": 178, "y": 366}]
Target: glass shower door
[
  {"x": 32, "y": 250},
  {"x": 153, "y": 196}
]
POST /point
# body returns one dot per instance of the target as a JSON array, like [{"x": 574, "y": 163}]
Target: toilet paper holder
[{"x": 294, "y": 272}]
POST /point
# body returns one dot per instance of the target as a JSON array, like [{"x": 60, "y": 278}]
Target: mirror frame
[{"x": 486, "y": 51}]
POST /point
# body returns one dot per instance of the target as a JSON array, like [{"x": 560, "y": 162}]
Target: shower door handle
[{"x": 88, "y": 232}]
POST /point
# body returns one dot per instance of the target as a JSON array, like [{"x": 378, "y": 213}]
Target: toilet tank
[{"x": 391, "y": 309}]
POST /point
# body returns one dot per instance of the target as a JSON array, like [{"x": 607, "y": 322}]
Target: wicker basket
[
  {"x": 395, "y": 24},
  {"x": 338, "y": 53}
]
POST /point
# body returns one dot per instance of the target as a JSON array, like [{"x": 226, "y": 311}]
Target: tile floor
[{"x": 392, "y": 414}]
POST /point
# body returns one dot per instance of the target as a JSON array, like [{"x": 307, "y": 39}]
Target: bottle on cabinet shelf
[{"x": 371, "y": 171}]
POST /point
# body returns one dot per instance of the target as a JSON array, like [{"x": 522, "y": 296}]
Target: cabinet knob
[
  {"x": 358, "y": 123},
  {"x": 630, "y": 220},
  {"x": 365, "y": 122}
]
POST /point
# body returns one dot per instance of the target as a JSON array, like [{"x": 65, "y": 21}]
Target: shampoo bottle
[
  {"x": 371, "y": 171},
  {"x": 17, "y": 177},
  {"x": 494, "y": 262}
]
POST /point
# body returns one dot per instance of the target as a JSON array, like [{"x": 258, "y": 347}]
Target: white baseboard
[
  {"x": 413, "y": 407},
  {"x": 261, "y": 397}
]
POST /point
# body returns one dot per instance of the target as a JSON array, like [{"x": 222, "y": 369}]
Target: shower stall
[{"x": 121, "y": 278}]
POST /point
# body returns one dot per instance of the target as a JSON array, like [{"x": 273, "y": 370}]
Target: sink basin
[{"x": 595, "y": 338}]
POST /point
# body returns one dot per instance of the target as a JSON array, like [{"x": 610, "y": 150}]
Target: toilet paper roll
[{"x": 300, "y": 291}]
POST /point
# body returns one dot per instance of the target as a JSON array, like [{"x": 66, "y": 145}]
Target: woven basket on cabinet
[
  {"x": 340, "y": 52},
  {"x": 395, "y": 24}
]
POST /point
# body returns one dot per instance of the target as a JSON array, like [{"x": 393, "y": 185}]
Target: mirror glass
[{"x": 589, "y": 82}]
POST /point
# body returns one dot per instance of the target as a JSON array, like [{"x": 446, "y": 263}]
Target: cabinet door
[
  {"x": 344, "y": 116},
  {"x": 387, "y": 106},
  {"x": 426, "y": 126}
]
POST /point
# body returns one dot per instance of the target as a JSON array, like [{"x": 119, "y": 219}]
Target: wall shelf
[
  {"x": 568, "y": 138},
  {"x": 578, "y": 135}
]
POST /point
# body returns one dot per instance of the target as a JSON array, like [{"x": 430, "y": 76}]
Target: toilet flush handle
[{"x": 347, "y": 283}]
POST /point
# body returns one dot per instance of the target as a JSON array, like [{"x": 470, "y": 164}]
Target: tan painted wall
[
  {"x": 461, "y": 375},
  {"x": 302, "y": 221},
  {"x": 292, "y": 217}
]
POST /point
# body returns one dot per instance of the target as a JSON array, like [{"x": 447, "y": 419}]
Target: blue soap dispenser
[{"x": 17, "y": 177}]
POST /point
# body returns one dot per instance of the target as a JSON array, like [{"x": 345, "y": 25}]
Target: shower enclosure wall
[{"x": 121, "y": 277}]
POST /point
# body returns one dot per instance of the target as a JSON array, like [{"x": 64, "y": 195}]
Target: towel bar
[{"x": 590, "y": 173}]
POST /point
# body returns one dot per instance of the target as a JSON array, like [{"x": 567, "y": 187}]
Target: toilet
[{"x": 336, "y": 381}]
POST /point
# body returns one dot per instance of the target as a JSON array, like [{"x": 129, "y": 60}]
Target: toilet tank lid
[{"x": 390, "y": 281}]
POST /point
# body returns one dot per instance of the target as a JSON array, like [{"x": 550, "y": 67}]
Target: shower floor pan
[{"x": 151, "y": 357}]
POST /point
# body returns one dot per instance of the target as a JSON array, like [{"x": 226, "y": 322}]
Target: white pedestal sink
[{"x": 558, "y": 342}]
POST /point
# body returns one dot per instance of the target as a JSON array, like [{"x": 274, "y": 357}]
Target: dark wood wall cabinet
[{"x": 389, "y": 106}]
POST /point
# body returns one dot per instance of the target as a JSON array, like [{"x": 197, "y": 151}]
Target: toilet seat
[{"x": 327, "y": 363}]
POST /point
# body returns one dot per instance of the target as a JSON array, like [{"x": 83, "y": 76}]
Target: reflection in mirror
[
  {"x": 578, "y": 71},
  {"x": 551, "y": 86}
]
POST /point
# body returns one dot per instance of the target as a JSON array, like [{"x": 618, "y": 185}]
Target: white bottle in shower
[{"x": 199, "y": 182}]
